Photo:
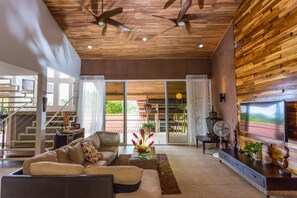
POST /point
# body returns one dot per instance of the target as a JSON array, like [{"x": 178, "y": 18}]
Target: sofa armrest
[
  {"x": 20, "y": 186},
  {"x": 109, "y": 139}
]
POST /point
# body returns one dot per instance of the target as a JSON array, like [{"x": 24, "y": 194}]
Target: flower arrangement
[{"x": 143, "y": 141}]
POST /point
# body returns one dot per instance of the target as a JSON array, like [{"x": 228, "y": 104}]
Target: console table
[
  {"x": 206, "y": 140},
  {"x": 265, "y": 177},
  {"x": 65, "y": 137}
]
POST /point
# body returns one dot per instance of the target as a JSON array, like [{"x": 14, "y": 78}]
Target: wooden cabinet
[{"x": 265, "y": 177}]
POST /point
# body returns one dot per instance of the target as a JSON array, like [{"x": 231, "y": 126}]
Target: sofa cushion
[
  {"x": 76, "y": 154},
  {"x": 99, "y": 163},
  {"x": 74, "y": 142},
  {"x": 128, "y": 175},
  {"x": 50, "y": 156},
  {"x": 149, "y": 187},
  {"x": 107, "y": 156},
  {"x": 54, "y": 168},
  {"x": 91, "y": 154},
  {"x": 94, "y": 138},
  {"x": 62, "y": 154}
]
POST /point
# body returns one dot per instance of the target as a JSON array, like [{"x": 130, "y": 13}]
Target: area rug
[{"x": 167, "y": 179}]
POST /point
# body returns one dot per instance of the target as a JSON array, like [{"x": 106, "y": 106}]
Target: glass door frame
[{"x": 125, "y": 135}]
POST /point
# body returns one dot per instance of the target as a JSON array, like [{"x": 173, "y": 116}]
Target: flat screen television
[{"x": 265, "y": 119}]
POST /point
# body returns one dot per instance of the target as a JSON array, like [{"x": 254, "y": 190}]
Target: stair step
[
  {"x": 18, "y": 94},
  {"x": 55, "y": 123},
  {"x": 4, "y": 81},
  {"x": 22, "y": 149},
  {"x": 50, "y": 129},
  {"x": 29, "y": 143},
  {"x": 32, "y": 136},
  {"x": 5, "y": 88}
]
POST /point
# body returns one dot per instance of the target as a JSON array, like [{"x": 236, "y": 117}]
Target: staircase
[{"x": 27, "y": 138}]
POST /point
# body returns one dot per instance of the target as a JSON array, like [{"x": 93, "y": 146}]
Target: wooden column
[{"x": 40, "y": 114}]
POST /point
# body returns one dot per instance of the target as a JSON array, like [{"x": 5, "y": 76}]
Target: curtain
[
  {"x": 199, "y": 105},
  {"x": 91, "y": 103}
]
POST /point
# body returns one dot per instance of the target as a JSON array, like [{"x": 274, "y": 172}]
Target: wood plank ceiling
[{"x": 209, "y": 29}]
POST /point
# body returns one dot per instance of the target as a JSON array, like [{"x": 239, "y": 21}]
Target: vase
[{"x": 142, "y": 155}]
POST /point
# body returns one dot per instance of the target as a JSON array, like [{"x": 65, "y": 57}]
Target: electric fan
[{"x": 221, "y": 129}]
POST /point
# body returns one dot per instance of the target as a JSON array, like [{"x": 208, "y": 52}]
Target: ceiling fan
[
  {"x": 105, "y": 18},
  {"x": 170, "y": 2},
  {"x": 182, "y": 19}
]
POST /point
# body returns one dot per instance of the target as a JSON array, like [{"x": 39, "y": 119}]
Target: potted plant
[
  {"x": 254, "y": 149},
  {"x": 148, "y": 126}
]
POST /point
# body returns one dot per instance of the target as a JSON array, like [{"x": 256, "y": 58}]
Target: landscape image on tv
[{"x": 264, "y": 119}]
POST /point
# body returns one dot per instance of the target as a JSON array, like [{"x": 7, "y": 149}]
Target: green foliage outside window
[{"x": 114, "y": 107}]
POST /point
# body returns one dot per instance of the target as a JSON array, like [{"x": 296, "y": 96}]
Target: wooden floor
[{"x": 197, "y": 175}]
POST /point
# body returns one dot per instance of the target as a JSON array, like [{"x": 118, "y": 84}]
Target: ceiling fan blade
[
  {"x": 189, "y": 17},
  {"x": 159, "y": 16},
  {"x": 201, "y": 3},
  {"x": 94, "y": 22},
  {"x": 94, "y": 6},
  {"x": 91, "y": 12},
  {"x": 104, "y": 30},
  {"x": 169, "y": 29},
  {"x": 110, "y": 13},
  {"x": 169, "y": 3},
  {"x": 117, "y": 24},
  {"x": 188, "y": 27},
  {"x": 184, "y": 9}
]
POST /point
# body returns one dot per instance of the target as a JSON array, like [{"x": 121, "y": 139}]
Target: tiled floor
[{"x": 197, "y": 175}]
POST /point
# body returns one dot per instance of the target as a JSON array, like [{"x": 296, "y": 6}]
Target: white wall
[{"x": 30, "y": 38}]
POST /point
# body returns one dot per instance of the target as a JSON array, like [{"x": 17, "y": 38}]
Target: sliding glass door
[
  {"x": 130, "y": 104},
  {"x": 177, "y": 112},
  {"x": 115, "y": 108}
]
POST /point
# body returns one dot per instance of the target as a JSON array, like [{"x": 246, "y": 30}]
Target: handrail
[
  {"x": 5, "y": 119},
  {"x": 59, "y": 111}
]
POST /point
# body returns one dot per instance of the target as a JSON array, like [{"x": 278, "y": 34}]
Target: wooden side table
[{"x": 207, "y": 140}]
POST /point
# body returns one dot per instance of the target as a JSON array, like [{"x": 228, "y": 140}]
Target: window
[
  {"x": 63, "y": 93},
  {"x": 50, "y": 94}
]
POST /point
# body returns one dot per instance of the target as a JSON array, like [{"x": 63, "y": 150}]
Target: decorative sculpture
[{"x": 210, "y": 122}]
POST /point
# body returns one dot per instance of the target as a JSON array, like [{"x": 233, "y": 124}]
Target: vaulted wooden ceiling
[{"x": 209, "y": 29}]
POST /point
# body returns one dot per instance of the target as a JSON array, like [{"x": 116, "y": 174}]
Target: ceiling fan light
[
  {"x": 90, "y": 47},
  {"x": 144, "y": 39},
  {"x": 181, "y": 24},
  {"x": 101, "y": 23}
]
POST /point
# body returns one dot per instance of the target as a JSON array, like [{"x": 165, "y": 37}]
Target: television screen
[{"x": 265, "y": 119}]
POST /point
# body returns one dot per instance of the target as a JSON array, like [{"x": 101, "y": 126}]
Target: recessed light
[
  {"x": 200, "y": 45},
  {"x": 144, "y": 39},
  {"x": 90, "y": 46}
]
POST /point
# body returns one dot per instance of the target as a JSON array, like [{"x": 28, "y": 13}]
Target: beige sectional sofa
[{"x": 67, "y": 167}]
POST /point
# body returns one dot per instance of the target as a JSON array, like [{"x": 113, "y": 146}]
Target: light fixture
[
  {"x": 200, "y": 45},
  {"x": 181, "y": 24},
  {"x": 179, "y": 96},
  {"x": 144, "y": 39},
  {"x": 222, "y": 97},
  {"x": 90, "y": 46}
]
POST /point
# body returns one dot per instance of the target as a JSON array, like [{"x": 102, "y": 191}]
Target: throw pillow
[
  {"x": 90, "y": 152},
  {"x": 62, "y": 154},
  {"x": 50, "y": 156},
  {"x": 128, "y": 175},
  {"x": 54, "y": 168},
  {"x": 76, "y": 154}
]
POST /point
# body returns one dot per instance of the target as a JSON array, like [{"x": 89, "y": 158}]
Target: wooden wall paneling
[{"x": 265, "y": 59}]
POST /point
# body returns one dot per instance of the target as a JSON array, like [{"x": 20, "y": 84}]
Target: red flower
[
  {"x": 142, "y": 132},
  {"x": 134, "y": 142},
  {"x": 152, "y": 142},
  {"x": 135, "y": 135},
  {"x": 150, "y": 135},
  {"x": 140, "y": 142}
]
